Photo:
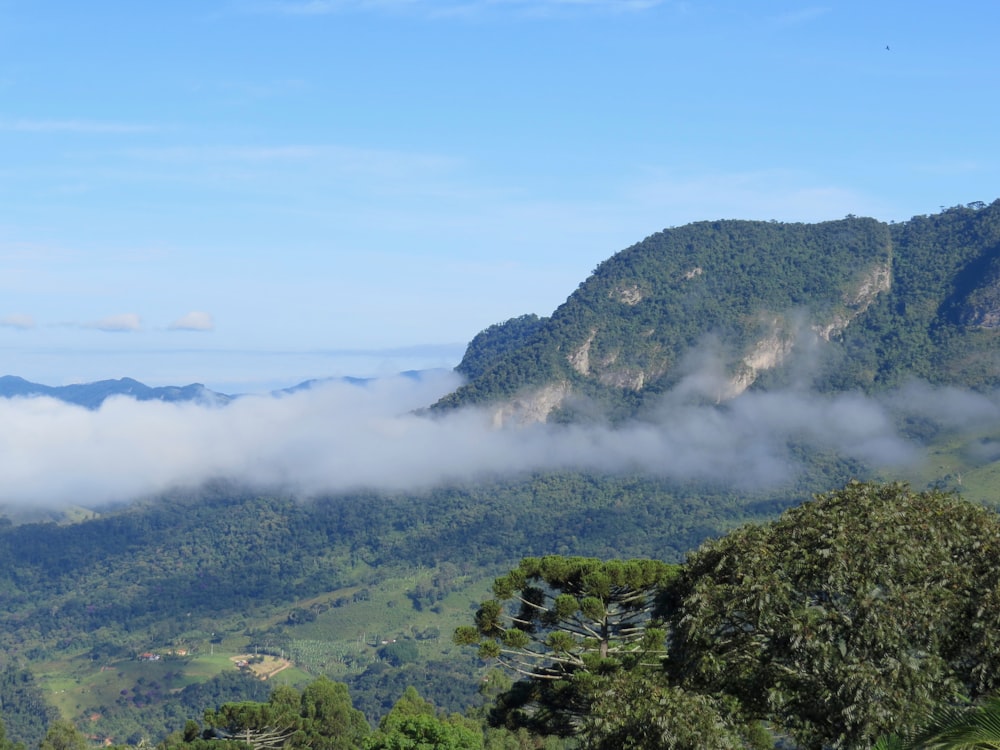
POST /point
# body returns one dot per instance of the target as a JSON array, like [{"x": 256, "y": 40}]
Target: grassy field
[
  {"x": 340, "y": 641},
  {"x": 344, "y": 640},
  {"x": 968, "y": 464},
  {"x": 80, "y": 686}
]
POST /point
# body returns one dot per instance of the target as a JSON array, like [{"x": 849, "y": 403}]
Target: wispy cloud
[
  {"x": 952, "y": 167},
  {"x": 193, "y": 321},
  {"x": 449, "y": 8},
  {"x": 96, "y": 127},
  {"x": 20, "y": 321},
  {"x": 785, "y": 195},
  {"x": 387, "y": 166},
  {"x": 125, "y": 322}
]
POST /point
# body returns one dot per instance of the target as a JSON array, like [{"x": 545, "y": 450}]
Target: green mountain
[{"x": 723, "y": 306}]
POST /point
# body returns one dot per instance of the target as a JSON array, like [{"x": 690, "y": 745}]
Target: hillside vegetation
[
  {"x": 199, "y": 578},
  {"x": 864, "y": 614},
  {"x": 854, "y": 303}
]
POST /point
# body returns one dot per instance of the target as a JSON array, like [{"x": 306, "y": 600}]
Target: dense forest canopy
[{"x": 885, "y": 303}]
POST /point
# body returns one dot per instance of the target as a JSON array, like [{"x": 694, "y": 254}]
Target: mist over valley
[{"x": 337, "y": 437}]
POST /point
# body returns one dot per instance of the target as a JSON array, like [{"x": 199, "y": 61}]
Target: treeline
[
  {"x": 150, "y": 711},
  {"x": 23, "y": 708}
]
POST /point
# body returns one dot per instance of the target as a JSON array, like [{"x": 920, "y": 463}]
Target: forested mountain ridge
[{"x": 855, "y": 304}]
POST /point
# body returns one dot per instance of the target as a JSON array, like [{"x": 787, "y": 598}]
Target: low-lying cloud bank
[{"x": 339, "y": 437}]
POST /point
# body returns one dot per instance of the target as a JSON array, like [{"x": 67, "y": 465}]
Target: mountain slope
[{"x": 724, "y": 306}]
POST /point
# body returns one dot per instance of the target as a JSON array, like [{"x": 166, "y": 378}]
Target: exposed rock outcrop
[{"x": 531, "y": 406}]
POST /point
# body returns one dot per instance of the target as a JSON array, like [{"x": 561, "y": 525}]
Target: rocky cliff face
[
  {"x": 981, "y": 307},
  {"x": 881, "y": 303},
  {"x": 531, "y": 406},
  {"x": 859, "y": 297},
  {"x": 783, "y": 333}
]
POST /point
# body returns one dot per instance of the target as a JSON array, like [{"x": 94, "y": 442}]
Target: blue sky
[{"x": 248, "y": 193}]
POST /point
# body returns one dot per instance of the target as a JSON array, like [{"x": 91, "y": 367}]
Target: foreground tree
[
  {"x": 63, "y": 735},
  {"x": 321, "y": 718},
  {"x": 553, "y": 616},
  {"x": 6, "y": 744},
  {"x": 953, "y": 728},
  {"x": 330, "y": 721},
  {"x": 635, "y": 712},
  {"x": 850, "y": 617},
  {"x": 560, "y": 623},
  {"x": 413, "y": 724}
]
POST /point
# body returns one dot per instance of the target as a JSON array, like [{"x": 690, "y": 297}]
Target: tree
[
  {"x": 322, "y": 718},
  {"x": 850, "y": 617},
  {"x": 259, "y": 725},
  {"x": 953, "y": 728},
  {"x": 425, "y": 733},
  {"x": 63, "y": 735},
  {"x": 553, "y": 616},
  {"x": 631, "y": 712},
  {"x": 330, "y": 721},
  {"x": 558, "y": 622},
  {"x": 399, "y": 652},
  {"x": 6, "y": 744},
  {"x": 413, "y": 724},
  {"x": 409, "y": 704}
]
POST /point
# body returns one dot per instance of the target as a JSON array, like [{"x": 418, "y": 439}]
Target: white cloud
[
  {"x": 339, "y": 437},
  {"x": 381, "y": 165},
  {"x": 117, "y": 323},
  {"x": 24, "y": 322},
  {"x": 194, "y": 321}
]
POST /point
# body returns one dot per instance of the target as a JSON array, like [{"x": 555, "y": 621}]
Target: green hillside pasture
[
  {"x": 968, "y": 464},
  {"x": 80, "y": 685},
  {"x": 344, "y": 640},
  {"x": 341, "y": 641}
]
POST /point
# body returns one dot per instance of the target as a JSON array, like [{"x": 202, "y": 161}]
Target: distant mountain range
[
  {"x": 718, "y": 307},
  {"x": 92, "y": 395}
]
